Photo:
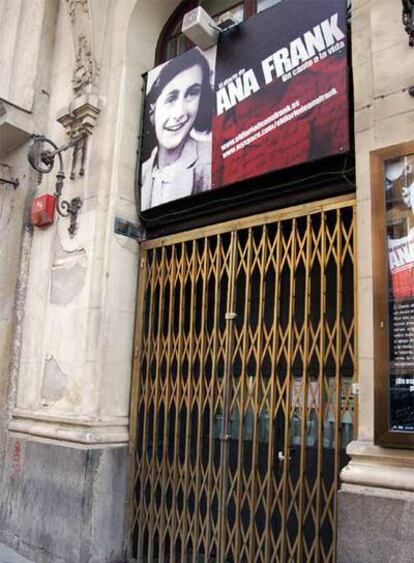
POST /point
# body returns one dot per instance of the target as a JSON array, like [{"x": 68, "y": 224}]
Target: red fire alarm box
[{"x": 43, "y": 210}]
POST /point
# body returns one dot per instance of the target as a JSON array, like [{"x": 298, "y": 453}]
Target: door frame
[{"x": 320, "y": 206}]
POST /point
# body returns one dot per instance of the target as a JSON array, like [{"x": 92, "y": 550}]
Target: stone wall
[
  {"x": 16, "y": 124},
  {"x": 383, "y": 71}
]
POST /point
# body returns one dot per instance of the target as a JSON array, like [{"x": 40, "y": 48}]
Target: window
[
  {"x": 219, "y": 8},
  {"x": 172, "y": 42}
]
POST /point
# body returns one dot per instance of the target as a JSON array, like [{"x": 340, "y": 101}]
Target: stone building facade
[{"x": 67, "y": 303}]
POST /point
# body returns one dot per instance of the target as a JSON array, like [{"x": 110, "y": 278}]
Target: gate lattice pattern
[{"x": 242, "y": 400}]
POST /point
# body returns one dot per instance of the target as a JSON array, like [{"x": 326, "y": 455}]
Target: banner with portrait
[{"x": 271, "y": 95}]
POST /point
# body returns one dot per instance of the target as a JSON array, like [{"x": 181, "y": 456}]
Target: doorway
[{"x": 242, "y": 402}]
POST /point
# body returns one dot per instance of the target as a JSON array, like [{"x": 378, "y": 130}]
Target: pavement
[{"x": 8, "y": 555}]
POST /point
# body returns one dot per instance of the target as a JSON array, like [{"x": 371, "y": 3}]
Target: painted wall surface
[
  {"x": 20, "y": 45},
  {"x": 15, "y": 232},
  {"x": 78, "y": 334}
]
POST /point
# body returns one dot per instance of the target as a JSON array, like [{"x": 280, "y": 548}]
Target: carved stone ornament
[
  {"x": 79, "y": 120},
  {"x": 80, "y": 117},
  {"x": 87, "y": 70},
  {"x": 76, "y": 6}
]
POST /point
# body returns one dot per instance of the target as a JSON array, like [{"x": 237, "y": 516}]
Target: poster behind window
[
  {"x": 399, "y": 190},
  {"x": 273, "y": 94}
]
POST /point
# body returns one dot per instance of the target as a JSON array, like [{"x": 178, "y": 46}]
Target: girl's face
[{"x": 176, "y": 108}]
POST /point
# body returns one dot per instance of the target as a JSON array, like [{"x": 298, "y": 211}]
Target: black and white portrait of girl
[
  {"x": 399, "y": 180},
  {"x": 177, "y": 130}
]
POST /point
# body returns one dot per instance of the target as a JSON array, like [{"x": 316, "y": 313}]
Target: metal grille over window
[{"x": 243, "y": 402}]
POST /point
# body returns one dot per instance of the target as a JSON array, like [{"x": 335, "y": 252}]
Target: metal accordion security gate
[{"x": 242, "y": 400}]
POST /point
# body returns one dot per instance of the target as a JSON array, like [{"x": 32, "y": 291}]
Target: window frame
[
  {"x": 250, "y": 8},
  {"x": 383, "y": 436}
]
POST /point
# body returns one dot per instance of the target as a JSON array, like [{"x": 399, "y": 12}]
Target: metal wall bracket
[
  {"x": 72, "y": 207},
  {"x": 43, "y": 160},
  {"x": 13, "y": 182}
]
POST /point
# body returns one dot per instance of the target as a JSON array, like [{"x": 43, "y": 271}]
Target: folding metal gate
[{"x": 242, "y": 397}]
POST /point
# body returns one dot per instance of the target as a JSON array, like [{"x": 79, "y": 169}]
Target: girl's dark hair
[{"x": 168, "y": 72}]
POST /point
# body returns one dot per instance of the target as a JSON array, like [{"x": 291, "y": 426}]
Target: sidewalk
[{"x": 8, "y": 555}]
